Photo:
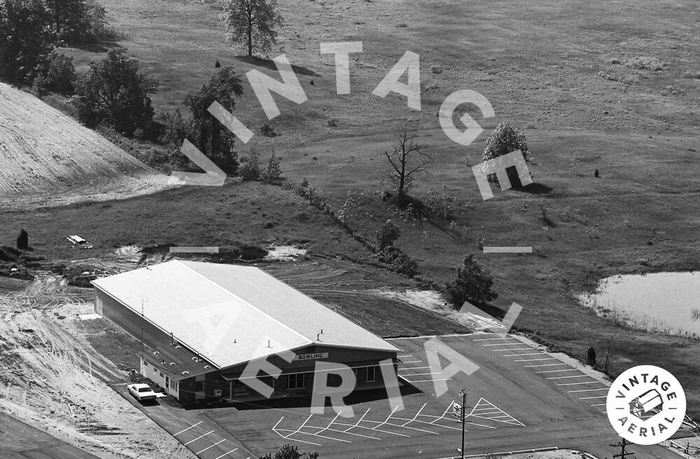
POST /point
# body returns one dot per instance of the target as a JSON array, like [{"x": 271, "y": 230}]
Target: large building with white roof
[{"x": 201, "y": 324}]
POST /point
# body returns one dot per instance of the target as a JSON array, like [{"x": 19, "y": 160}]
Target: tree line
[{"x": 31, "y": 29}]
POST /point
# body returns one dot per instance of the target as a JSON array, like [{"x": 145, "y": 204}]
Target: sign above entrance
[{"x": 315, "y": 356}]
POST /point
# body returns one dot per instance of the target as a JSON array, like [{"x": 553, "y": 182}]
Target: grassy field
[{"x": 564, "y": 71}]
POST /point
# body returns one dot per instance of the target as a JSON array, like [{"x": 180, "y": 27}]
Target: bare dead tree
[{"x": 407, "y": 158}]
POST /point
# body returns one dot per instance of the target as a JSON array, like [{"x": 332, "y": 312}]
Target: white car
[{"x": 141, "y": 392}]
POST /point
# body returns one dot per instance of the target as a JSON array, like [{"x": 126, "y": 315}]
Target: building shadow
[{"x": 305, "y": 401}]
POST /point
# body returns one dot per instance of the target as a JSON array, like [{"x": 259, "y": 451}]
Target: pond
[{"x": 661, "y": 302}]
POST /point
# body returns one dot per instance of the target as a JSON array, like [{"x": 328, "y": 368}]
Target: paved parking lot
[
  {"x": 572, "y": 380},
  {"x": 521, "y": 397}
]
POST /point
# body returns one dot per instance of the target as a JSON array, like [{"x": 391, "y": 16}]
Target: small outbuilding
[{"x": 202, "y": 324}]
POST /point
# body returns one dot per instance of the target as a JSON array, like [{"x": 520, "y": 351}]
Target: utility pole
[
  {"x": 622, "y": 454},
  {"x": 464, "y": 403}
]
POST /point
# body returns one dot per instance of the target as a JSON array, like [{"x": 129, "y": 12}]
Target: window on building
[
  {"x": 334, "y": 380},
  {"x": 295, "y": 381},
  {"x": 371, "y": 374},
  {"x": 198, "y": 386}
]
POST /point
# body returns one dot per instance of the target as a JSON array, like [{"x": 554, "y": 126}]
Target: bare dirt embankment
[
  {"x": 47, "y": 158},
  {"x": 52, "y": 378}
]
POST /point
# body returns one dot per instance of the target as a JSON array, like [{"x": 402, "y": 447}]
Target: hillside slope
[{"x": 47, "y": 158}]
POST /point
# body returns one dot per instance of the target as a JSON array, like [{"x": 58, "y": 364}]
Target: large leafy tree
[
  {"x": 115, "y": 91},
  {"x": 67, "y": 17},
  {"x": 473, "y": 283},
  {"x": 204, "y": 131},
  {"x": 25, "y": 36},
  {"x": 505, "y": 139},
  {"x": 252, "y": 23}
]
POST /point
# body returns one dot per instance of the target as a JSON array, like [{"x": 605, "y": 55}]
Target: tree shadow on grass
[
  {"x": 268, "y": 63},
  {"x": 98, "y": 47},
  {"x": 533, "y": 188}
]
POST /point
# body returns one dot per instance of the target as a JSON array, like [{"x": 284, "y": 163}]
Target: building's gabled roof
[{"x": 231, "y": 314}]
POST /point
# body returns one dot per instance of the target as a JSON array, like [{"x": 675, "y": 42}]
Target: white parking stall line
[
  {"x": 534, "y": 360},
  {"x": 520, "y": 355},
  {"x": 591, "y": 398},
  {"x": 404, "y": 355},
  {"x": 427, "y": 380},
  {"x": 543, "y": 365},
  {"x": 195, "y": 439},
  {"x": 226, "y": 454},
  {"x": 411, "y": 361},
  {"x": 600, "y": 404},
  {"x": 374, "y": 429},
  {"x": 185, "y": 430},
  {"x": 210, "y": 446},
  {"x": 414, "y": 368},
  {"x": 514, "y": 349},
  {"x": 570, "y": 376},
  {"x": 353, "y": 433},
  {"x": 556, "y": 371},
  {"x": 501, "y": 344},
  {"x": 589, "y": 390},
  {"x": 330, "y": 423},
  {"x": 323, "y": 436},
  {"x": 430, "y": 373},
  {"x": 492, "y": 339},
  {"x": 579, "y": 383}
]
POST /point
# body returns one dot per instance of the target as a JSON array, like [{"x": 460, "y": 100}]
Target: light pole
[{"x": 464, "y": 402}]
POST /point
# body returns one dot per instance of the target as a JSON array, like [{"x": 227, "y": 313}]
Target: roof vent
[
  {"x": 268, "y": 343},
  {"x": 156, "y": 352},
  {"x": 234, "y": 341},
  {"x": 178, "y": 346},
  {"x": 172, "y": 364},
  {"x": 162, "y": 362},
  {"x": 206, "y": 366},
  {"x": 195, "y": 359},
  {"x": 185, "y": 373}
]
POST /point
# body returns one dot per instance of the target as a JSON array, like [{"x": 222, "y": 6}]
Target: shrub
[
  {"x": 175, "y": 127},
  {"x": 23, "y": 240},
  {"x": 55, "y": 73},
  {"x": 440, "y": 203},
  {"x": 645, "y": 63},
  {"x": 290, "y": 452},
  {"x": 250, "y": 166},
  {"x": 473, "y": 283},
  {"x": 401, "y": 262},
  {"x": 116, "y": 92},
  {"x": 350, "y": 205},
  {"x": 267, "y": 130},
  {"x": 272, "y": 174},
  {"x": 387, "y": 234}
]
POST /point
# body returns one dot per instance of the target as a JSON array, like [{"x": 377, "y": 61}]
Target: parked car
[{"x": 141, "y": 392}]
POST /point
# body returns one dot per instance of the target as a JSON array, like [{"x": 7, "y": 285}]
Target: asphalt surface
[
  {"x": 520, "y": 398},
  {"x": 20, "y": 440}
]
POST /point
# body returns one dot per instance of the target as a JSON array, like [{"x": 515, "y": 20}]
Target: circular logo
[{"x": 646, "y": 405}]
